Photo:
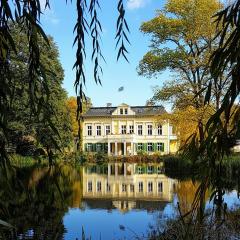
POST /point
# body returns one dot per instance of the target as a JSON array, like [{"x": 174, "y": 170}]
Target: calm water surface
[{"x": 111, "y": 201}]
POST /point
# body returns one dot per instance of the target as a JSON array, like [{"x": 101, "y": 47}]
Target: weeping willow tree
[{"x": 27, "y": 14}]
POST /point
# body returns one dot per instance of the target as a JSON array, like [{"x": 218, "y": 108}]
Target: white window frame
[
  {"x": 140, "y": 129},
  {"x": 159, "y": 130},
  {"x": 98, "y": 130},
  {"x": 150, "y": 187},
  {"x": 140, "y": 170},
  {"x": 150, "y": 169},
  {"x": 160, "y": 147},
  {"x": 89, "y": 130},
  {"x": 124, "y": 187},
  {"x": 140, "y": 187},
  {"x": 89, "y": 147},
  {"x": 123, "y": 129},
  {"x": 108, "y": 187},
  {"x": 98, "y": 147},
  {"x": 131, "y": 129},
  {"x": 148, "y": 147},
  {"x": 150, "y": 129},
  {"x": 140, "y": 146},
  {"x": 107, "y": 129},
  {"x": 160, "y": 187},
  {"x": 99, "y": 186},
  {"x": 89, "y": 186}
]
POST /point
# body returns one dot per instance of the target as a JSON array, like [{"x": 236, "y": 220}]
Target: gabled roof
[{"x": 139, "y": 111}]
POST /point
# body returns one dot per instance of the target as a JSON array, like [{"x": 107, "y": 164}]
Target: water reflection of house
[{"x": 126, "y": 186}]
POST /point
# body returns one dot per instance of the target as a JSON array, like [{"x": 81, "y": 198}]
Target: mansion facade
[{"x": 126, "y": 130}]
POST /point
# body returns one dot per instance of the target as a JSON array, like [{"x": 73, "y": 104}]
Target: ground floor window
[
  {"x": 108, "y": 187},
  {"x": 90, "y": 186},
  {"x": 139, "y": 146},
  {"x": 150, "y": 187},
  {"x": 99, "y": 186},
  {"x": 150, "y": 147},
  {"x": 98, "y": 147},
  {"x": 89, "y": 147},
  {"x": 140, "y": 187},
  {"x": 124, "y": 187},
  {"x": 150, "y": 169},
  {"x": 160, "y": 147},
  {"x": 160, "y": 187},
  {"x": 140, "y": 170}
]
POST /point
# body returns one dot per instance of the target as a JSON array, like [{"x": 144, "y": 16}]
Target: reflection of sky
[{"x": 105, "y": 223}]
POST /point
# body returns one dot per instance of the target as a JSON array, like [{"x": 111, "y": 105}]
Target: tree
[
  {"x": 51, "y": 126},
  {"x": 183, "y": 40}
]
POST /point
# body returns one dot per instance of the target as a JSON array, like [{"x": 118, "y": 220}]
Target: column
[
  {"x": 115, "y": 148},
  {"x": 168, "y": 131},
  {"x": 132, "y": 149},
  {"x": 109, "y": 169},
  {"x": 125, "y": 148},
  {"x": 125, "y": 169},
  {"x": 109, "y": 148},
  {"x": 116, "y": 169}
]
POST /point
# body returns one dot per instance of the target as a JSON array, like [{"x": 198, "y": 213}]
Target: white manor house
[{"x": 127, "y": 130}]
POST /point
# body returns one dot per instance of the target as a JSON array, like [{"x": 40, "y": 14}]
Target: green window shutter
[
  {"x": 144, "y": 146},
  {"x": 94, "y": 147},
  {"x": 162, "y": 147},
  {"x": 105, "y": 145},
  {"x": 154, "y": 147},
  {"x": 85, "y": 147}
]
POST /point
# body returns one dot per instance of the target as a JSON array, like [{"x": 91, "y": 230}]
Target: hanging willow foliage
[{"x": 28, "y": 13}]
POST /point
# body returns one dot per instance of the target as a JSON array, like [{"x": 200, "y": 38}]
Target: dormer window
[
  {"x": 126, "y": 111},
  {"x": 121, "y": 111}
]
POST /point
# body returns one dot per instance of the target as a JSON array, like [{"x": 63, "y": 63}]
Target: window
[
  {"x": 89, "y": 147},
  {"x": 123, "y": 129},
  {"x": 150, "y": 147},
  {"x": 139, "y": 146},
  {"x": 149, "y": 129},
  {"x": 90, "y": 186},
  {"x": 108, "y": 187},
  {"x": 124, "y": 187},
  {"x": 121, "y": 111},
  {"x": 150, "y": 187},
  {"x": 126, "y": 111},
  {"x": 140, "y": 170},
  {"x": 131, "y": 188},
  {"x": 98, "y": 130},
  {"x": 140, "y": 187},
  {"x": 159, "y": 170},
  {"x": 150, "y": 169},
  {"x": 98, "y": 147},
  {"x": 131, "y": 129},
  {"x": 89, "y": 130},
  {"x": 108, "y": 130},
  {"x": 160, "y": 187},
  {"x": 159, "y": 129},
  {"x": 160, "y": 147},
  {"x": 99, "y": 186},
  {"x": 140, "y": 132}
]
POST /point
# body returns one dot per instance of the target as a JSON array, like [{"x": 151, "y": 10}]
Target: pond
[{"x": 109, "y": 201}]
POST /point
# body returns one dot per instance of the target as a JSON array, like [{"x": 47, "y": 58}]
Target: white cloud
[
  {"x": 135, "y": 4},
  {"x": 48, "y": 14}
]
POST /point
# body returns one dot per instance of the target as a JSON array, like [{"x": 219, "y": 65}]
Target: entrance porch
[{"x": 121, "y": 148}]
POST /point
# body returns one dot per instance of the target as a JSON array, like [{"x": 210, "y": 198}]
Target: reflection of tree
[{"x": 37, "y": 209}]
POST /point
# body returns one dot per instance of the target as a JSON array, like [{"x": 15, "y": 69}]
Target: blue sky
[{"x": 59, "y": 22}]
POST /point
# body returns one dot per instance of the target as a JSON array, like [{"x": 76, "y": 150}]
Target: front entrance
[{"x": 121, "y": 149}]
